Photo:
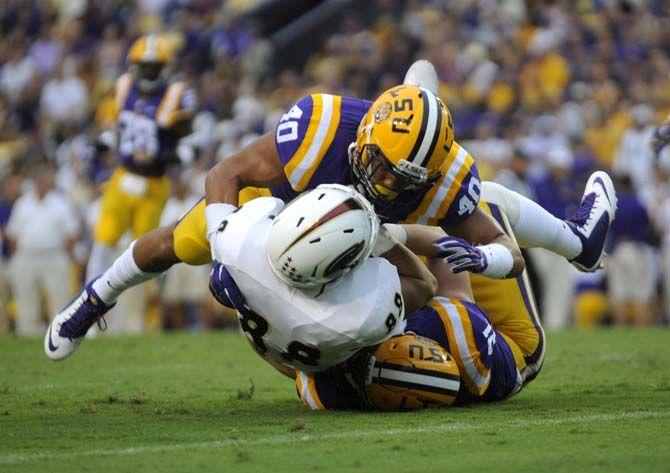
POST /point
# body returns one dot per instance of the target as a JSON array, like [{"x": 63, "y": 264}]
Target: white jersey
[{"x": 306, "y": 332}]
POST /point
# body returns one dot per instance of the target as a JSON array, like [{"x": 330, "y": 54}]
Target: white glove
[{"x": 390, "y": 234}]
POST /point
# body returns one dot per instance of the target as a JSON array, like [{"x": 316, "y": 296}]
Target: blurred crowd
[{"x": 541, "y": 93}]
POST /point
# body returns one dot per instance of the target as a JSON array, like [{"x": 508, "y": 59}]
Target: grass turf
[{"x": 207, "y": 403}]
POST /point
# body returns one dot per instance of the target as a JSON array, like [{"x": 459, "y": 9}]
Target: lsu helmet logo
[{"x": 383, "y": 112}]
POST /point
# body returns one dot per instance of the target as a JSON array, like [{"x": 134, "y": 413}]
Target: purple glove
[
  {"x": 223, "y": 288},
  {"x": 461, "y": 254}
]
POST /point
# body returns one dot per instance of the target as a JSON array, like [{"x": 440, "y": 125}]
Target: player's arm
[
  {"x": 420, "y": 240},
  {"x": 494, "y": 255},
  {"x": 417, "y": 283},
  {"x": 257, "y": 165}
]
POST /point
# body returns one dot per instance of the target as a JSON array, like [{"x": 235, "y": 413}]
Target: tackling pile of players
[{"x": 329, "y": 288}]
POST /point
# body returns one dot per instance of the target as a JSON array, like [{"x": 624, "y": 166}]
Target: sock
[
  {"x": 533, "y": 226},
  {"x": 101, "y": 255},
  {"x": 123, "y": 274}
]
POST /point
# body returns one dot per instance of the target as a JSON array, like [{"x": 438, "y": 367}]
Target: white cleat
[
  {"x": 592, "y": 221},
  {"x": 422, "y": 74},
  {"x": 69, "y": 326}
]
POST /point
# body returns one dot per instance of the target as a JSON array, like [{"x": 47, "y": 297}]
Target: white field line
[{"x": 303, "y": 438}]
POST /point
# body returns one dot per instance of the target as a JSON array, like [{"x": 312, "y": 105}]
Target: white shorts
[{"x": 631, "y": 273}]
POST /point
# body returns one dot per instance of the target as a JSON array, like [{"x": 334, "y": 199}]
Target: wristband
[
  {"x": 214, "y": 215},
  {"x": 499, "y": 260}
]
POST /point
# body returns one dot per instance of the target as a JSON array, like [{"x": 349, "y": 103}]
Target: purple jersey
[
  {"x": 313, "y": 138},
  {"x": 484, "y": 358},
  {"x": 146, "y": 142}
]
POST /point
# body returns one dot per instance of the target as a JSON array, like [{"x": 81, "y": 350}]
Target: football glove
[
  {"x": 461, "y": 254},
  {"x": 223, "y": 287}
]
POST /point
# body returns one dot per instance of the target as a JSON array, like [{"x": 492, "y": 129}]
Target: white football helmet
[{"x": 321, "y": 236}]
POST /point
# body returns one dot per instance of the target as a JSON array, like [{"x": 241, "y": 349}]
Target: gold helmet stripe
[{"x": 461, "y": 337}]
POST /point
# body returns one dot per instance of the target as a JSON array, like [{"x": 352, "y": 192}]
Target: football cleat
[
  {"x": 592, "y": 221},
  {"x": 69, "y": 326},
  {"x": 422, "y": 74}
]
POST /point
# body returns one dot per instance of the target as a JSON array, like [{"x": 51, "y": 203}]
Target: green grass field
[{"x": 206, "y": 403}]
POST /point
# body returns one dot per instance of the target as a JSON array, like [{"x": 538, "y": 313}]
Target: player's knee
[
  {"x": 504, "y": 198},
  {"x": 188, "y": 249},
  {"x": 107, "y": 233},
  {"x": 154, "y": 252}
]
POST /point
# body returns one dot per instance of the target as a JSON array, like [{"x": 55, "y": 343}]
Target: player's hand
[
  {"x": 461, "y": 254},
  {"x": 224, "y": 289}
]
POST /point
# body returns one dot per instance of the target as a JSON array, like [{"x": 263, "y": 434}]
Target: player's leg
[
  {"x": 580, "y": 239},
  {"x": 510, "y": 305},
  {"x": 190, "y": 235},
  {"x": 533, "y": 226},
  {"x": 149, "y": 207},
  {"x": 145, "y": 259},
  {"x": 114, "y": 220},
  {"x": 490, "y": 364}
]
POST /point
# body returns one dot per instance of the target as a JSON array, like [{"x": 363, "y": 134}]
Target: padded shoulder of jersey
[
  {"x": 455, "y": 196},
  {"x": 376, "y": 287},
  {"x": 316, "y": 128},
  {"x": 240, "y": 226}
]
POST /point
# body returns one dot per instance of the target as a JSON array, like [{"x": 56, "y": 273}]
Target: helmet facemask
[
  {"x": 392, "y": 190},
  {"x": 150, "y": 76}
]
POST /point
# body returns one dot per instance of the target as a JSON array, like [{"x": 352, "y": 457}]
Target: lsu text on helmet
[
  {"x": 402, "y": 144},
  {"x": 321, "y": 236},
  {"x": 410, "y": 372},
  {"x": 148, "y": 60}
]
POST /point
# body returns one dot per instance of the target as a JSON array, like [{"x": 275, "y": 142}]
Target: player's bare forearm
[
  {"x": 417, "y": 282},
  {"x": 256, "y": 165},
  {"x": 482, "y": 229},
  {"x": 420, "y": 238}
]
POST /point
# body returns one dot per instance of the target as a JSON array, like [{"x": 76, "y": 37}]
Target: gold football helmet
[
  {"x": 401, "y": 146},
  {"x": 410, "y": 372},
  {"x": 148, "y": 59}
]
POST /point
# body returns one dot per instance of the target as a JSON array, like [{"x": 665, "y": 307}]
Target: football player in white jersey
[{"x": 307, "y": 294}]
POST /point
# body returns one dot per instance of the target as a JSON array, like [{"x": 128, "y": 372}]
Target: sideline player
[
  {"x": 400, "y": 151},
  {"x": 152, "y": 114}
]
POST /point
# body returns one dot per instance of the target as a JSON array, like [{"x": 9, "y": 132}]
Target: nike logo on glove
[{"x": 52, "y": 347}]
